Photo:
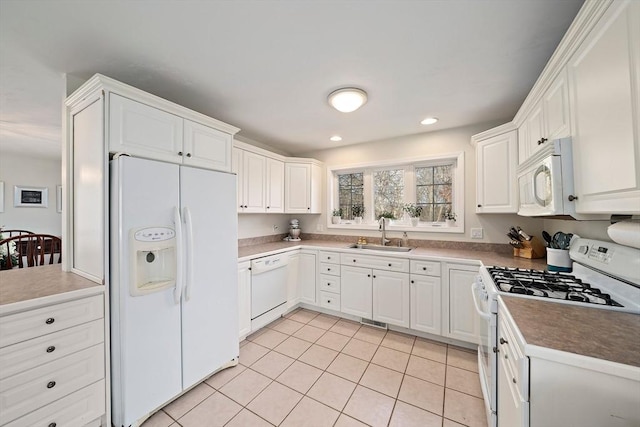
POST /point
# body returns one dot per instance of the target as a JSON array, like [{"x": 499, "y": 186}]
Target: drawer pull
[
  {"x": 389, "y": 264},
  {"x": 50, "y": 320},
  {"x": 52, "y": 424},
  {"x": 328, "y": 301},
  {"x": 424, "y": 268},
  {"x": 51, "y": 384},
  {"x": 328, "y": 257},
  {"x": 354, "y": 260},
  {"x": 328, "y": 269},
  {"x": 413, "y": 281},
  {"x": 51, "y": 349},
  {"x": 503, "y": 341}
]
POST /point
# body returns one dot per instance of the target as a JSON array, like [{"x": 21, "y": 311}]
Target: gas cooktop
[{"x": 548, "y": 284}]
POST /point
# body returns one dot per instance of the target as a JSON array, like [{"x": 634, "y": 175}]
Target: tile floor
[{"x": 310, "y": 369}]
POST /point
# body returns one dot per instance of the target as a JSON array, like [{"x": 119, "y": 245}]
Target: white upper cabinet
[
  {"x": 144, "y": 131},
  {"x": 604, "y": 85},
  {"x": 548, "y": 119},
  {"x": 496, "y": 184},
  {"x": 303, "y": 184},
  {"x": 141, "y": 130},
  {"x": 206, "y": 147},
  {"x": 275, "y": 186}
]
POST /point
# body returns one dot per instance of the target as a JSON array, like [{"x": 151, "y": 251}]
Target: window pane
[
  {"x": 350, "y": 190},
  {"x": 434, "y": 185},
  {"x": 388, "y": 192}
]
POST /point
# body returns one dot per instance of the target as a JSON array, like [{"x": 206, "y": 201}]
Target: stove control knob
[{"x": 583, "y": 249}]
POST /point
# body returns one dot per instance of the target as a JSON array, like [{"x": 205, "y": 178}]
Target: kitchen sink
[{"x": 381, "y": 248}]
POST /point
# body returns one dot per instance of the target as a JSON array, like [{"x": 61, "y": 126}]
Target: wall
[
  {"x": 22, "y": 170},
  {"x": 441, "y": 142}
]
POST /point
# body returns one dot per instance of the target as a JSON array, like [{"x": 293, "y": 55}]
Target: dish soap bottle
[{"x": 405, "y": 239}]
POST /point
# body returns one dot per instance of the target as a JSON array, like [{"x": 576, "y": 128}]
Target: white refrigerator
[{"x": 173, "y": 290}]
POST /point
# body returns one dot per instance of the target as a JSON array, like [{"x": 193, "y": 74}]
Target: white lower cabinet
[
  {"x": 52, "y": 364},
  {"x": 244, "y": 298},
  {"x": 461, "y": 321},
  {"x": 293, "y": 278},
  {"x": 425, "y": 304},
  {"x": 307, "y": 276},
  {"x": 391, "y": 297},
  {"x": 356, "y": 293}
]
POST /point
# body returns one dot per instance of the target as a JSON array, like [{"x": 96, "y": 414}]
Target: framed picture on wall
[{"x": 31, "y": 197}]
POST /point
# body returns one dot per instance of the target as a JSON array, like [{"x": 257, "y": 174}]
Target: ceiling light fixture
[
  {"x": 336, "y": 138},
  {"x": 347, "y": 99},
  {"x": 429, "y": 120}
]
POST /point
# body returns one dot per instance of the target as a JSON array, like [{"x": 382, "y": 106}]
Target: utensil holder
[
  {"x": 531, "y": 249},
  {"x": 559, "y": 260}
]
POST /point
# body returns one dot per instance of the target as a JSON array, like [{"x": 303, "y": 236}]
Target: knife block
[{"x": 532, "y": 249}]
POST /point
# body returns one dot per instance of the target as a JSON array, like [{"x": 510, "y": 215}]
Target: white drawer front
[
  {"x": 76, "y": 409},
  {"x": 329, "y": 300},
  {"x": 34, "y": 323},
  {"x": 331, "y": 269},
  {"x": 330, "y": 283},
  {"x": 429, "y": 268},
  {"x": 330, "y": 257},
  {"x": 30, "y": 390},
  {"x": 380, "y": 263},
  {"x": 29, "y": 354}
]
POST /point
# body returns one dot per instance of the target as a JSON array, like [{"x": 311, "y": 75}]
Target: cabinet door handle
[
  {"x": 514, "y": 380},
  {"x": 51, "y": 349},
  {"x": 52, "y": 424},
  {"x": 368, "y": 275},
  {"x": 374, "y": 276},
  {"x": 50, "y": 320},
  {"x": 503, "y": 341},
  {"x": 188, "y": 154},
  {"x": 413, "y": 281},
  {"x": 51, "y": 384},
  {"x": 479, "y": 206},
  {"x": 179, "y": 153},
  {"x": 328, "y": 301},
  {"x": 571, "y": 197}
]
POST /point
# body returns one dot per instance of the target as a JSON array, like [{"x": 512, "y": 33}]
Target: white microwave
[{"x": 545, "y": 181}]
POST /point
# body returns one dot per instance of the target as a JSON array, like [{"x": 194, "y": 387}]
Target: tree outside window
[
  {"x": 434, "y": 191},
  {"x": 388, "y": 192},
  {"x": 350, "y": 192}
]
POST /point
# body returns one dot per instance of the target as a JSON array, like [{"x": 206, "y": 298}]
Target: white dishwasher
[{"x": 268, "y": 289}]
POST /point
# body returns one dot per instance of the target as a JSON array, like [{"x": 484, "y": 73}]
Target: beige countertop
[
  {"x": 594, "y": 332},
  {"x": 21, "y": 285},
  {"x": 487, "y": 258}
]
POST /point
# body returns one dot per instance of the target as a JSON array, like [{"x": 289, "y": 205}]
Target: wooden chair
[
  {"x": 10, "y": 233},
  {"x": 31, "y": 250}
]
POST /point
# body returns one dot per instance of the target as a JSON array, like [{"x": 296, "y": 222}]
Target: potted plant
[
  {"x": 450, "y": 219},
  {"x": 357, "y": 211},
  {"x": 414, "y": 211},
  {"x": 387, "y": 215},
  {"x": 336, "y": 216}
]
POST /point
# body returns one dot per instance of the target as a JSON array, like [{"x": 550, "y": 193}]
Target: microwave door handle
[
  {"x": 474, "y": 292},
  {"x": 541, "y": 169}
]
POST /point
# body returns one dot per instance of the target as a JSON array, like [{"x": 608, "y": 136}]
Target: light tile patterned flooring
[{"x": 312, "y": 370}]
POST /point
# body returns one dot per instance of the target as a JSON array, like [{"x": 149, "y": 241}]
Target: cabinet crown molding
[
  {"x": 107, "y": 84},
  {"x": 498, "y": 130}
]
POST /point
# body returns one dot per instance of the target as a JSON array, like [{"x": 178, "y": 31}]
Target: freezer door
[
  {"x": 210, "y": 296},
  {"x": 145, "y": 329}
]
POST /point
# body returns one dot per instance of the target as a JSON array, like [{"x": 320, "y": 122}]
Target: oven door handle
[{"x": 474, "y": 292}]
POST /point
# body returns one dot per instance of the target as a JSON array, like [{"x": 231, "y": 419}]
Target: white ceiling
[{"x": 267, "y": 66}]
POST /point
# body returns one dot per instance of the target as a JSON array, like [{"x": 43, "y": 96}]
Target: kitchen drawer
[
  {"x": 330, "y": 283},
  {"x": 76, "y": 409},
  {"x": 516, "y": 363},
  {"x": 41, "y": 321},
  {"x": 331, "y": 269},
  {"x": 429, "y": 268},
  {"x": 330, "y": 300},
  {"x": 380, "y": 263},
  {"x": 330, "y": 257},
  {"x": 37, "y": 387},
  {"x": 29, "y": 354}
]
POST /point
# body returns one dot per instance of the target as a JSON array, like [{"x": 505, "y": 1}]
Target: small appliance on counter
[{"x": 294, "y": 231}]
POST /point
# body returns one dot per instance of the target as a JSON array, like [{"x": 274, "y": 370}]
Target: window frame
[{"x": 408, "y": 165}]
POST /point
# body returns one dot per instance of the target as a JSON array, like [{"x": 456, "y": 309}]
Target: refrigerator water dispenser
[{"x": 153, "y": 259}]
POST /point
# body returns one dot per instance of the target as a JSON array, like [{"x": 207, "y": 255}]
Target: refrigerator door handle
[
  {"x": 178, "y": 226},
  {"x": 189, "y": 231}
]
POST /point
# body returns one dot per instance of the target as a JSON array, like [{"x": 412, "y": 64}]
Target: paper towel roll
[{"x": 625, "y": 233}]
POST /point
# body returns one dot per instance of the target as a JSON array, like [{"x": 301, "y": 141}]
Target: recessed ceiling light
[
  {"x": 335, "y": 138},
  {"x": 429, "y": 120},
  {"x": 347, "y": 99}
]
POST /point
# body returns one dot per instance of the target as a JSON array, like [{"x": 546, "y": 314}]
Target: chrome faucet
[{"x": 382, "y": 228}]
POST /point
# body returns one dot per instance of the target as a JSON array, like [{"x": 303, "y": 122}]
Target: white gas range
[{"x": 605, "y": 275}]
